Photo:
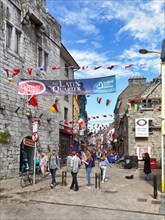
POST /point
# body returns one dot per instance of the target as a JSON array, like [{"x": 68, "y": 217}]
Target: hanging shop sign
[
  {"x": 141, "y": 127},
  {"x": 68, "y": 87}
]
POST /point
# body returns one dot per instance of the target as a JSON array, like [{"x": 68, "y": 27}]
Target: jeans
[
  {"x": 148, "y": 176},
  {"x": 104, "y": 168},
  {"x": 74, "y": 181},
  {"x": 88, "y": 174},
  {"x": 53, "y": 174}
]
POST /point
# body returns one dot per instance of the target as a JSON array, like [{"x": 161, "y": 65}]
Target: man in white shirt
[{"x": 75, "y": 166}]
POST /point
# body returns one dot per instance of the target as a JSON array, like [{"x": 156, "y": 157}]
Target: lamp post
[{"x": 162, "y": 56}]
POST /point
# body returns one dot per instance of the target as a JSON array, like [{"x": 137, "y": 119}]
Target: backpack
[{"x": 93, "y": 163}]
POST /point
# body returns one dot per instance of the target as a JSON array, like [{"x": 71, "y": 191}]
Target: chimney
[{"x": 137, "y": 80}]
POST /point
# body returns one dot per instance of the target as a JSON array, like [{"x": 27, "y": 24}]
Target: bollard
[
  {"x": 155, "y": 187},
  {"x": 97, "y": 180},
  {"x": 64, "y": 176}
]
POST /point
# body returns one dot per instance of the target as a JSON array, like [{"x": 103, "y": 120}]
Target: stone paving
[{"x": 117, "y": 198}]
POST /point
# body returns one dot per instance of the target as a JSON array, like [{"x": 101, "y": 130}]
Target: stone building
[
  {"x": 136, "y": 85},
  {"x": 141, "y": 123},
  {"x": 30, "y": 44}
]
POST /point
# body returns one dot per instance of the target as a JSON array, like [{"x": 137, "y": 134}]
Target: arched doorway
[{"x": 28, "y": 145}]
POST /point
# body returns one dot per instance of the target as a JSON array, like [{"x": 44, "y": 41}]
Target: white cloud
[{"x": 82, "y": 41}]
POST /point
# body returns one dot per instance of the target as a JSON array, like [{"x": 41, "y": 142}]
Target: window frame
[
  {"x": 40, "y": 60},
  {"x": 9, "y": 29},
  {"x": 17, "y": 41},
  {"x": 65, "y": 113},
  {"x": 46, "y": 59}
]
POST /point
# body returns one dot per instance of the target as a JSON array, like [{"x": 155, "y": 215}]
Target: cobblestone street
[{"x": 118, "y": 198}]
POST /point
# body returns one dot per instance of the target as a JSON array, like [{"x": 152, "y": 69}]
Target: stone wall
[{"x": 44, "y": 32}]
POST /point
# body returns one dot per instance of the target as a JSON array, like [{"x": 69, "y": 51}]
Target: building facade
[
  {"x": 30, "y": 44},
  {"x": 66, "y": 141},
  {"x": 140, "y": 125}
]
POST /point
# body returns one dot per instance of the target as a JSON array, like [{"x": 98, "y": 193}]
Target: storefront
[{"x": 65, "y": 141}]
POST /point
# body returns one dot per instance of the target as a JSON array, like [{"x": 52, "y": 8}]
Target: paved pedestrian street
[{"x": 117, "y": 198}]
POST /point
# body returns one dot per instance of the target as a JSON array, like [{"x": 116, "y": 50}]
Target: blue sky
[{"x": 111, "y": 32}]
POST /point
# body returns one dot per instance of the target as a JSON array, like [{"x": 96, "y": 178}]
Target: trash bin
[{"x": 153, "y": 163}]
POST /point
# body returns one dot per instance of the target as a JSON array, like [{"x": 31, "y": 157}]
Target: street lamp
[{"x": 162, "y": 56}]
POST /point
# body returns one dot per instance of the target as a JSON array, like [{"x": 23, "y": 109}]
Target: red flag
[
  {"x": 119, "y": 104},
  {"x": 29, "y": 70},
  {"x": 128, "y": 66},
  {"x": 16, "y": 71},
  {"x": 84, "y": 67},
  {"x": 110, "y": 67},
  {"x": 55, "y": 67},
  {"x": 33, "y": 101},
  {"x": 55, "y": 105}
]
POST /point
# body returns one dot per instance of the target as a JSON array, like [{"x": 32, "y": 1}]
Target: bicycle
[
  {"x": 123, "y": 165},
  {"x": 26, "y": 179}
]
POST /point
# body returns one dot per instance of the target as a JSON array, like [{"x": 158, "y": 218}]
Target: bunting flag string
[{"x": 17, "y": 70}]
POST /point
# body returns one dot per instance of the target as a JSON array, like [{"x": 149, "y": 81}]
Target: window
[
  {"x": 17, "y": 41},
  {"x": 150, "y": 122},
  {"x": 66, "y": 71},
  {"x": 8, "y": 35},
  {"x": 46, "y": 59},
  {"x": 39, "y": 56},
  {"x": 65, "y": 114},
  {"x": 66, "y": 98}
]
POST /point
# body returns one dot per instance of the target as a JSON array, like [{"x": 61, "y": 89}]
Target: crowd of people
[{"x": 49, "y": 164}]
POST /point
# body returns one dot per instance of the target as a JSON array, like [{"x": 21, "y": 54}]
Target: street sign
[
  {"x": 29, "y": 142},
  {"x": 35, "y": 136}
]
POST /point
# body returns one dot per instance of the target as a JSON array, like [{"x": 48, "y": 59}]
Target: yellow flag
[{"x": 52, "y": 109}]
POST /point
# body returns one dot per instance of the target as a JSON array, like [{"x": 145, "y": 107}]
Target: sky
[{"x": 111, "y": 32}]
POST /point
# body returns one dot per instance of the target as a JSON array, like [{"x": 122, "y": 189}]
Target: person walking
[
  {"x": 43, "y": 164},
  {"x": 54, "y": 165},
  {"x": 24, "y": 161},
  {"x": 88, "y": 164},
  {"x": 147, "y": 166},
  {"x": 103, "y": 166},
  {"x": 75, "y": 166}
]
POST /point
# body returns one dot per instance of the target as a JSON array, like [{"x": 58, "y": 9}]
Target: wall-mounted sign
[
  {"x": 141, "y": 127},
  {"x": 29, "y": 142},
  {"x": 141, "y": 150}
]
